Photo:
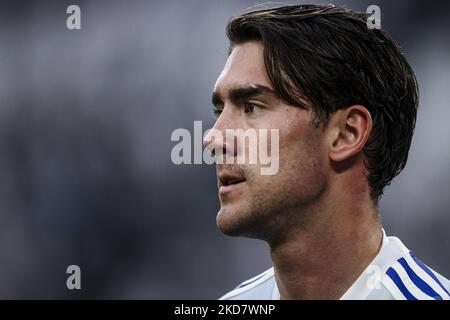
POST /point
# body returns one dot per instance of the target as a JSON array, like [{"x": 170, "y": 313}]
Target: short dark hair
[{"x": 329, "y": 56}]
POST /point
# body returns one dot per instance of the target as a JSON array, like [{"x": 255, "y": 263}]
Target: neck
[{"x": 324, "y": 258}]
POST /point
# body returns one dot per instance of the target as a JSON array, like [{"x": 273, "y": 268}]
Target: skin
[{"x": 316, "y": 213}]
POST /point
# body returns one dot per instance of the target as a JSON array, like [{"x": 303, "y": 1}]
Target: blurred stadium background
[{"x": 85, "y": 170}]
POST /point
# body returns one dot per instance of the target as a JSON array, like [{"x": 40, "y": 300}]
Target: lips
[
  {"x": 226, "y": 179},
  {"x": 230, "y": 179},
  {"x": 229, "y": 176}
]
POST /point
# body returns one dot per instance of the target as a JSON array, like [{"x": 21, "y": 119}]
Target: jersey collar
[{"x": 370, "y": 279}]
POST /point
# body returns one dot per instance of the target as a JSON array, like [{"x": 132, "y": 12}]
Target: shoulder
[
  {"x": 411, "y": 279},
  {"x": 259, "y": 287}
]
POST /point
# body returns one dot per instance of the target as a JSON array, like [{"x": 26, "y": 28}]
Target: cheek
[
  {"x": 294, "y": 128},
  {"x": 300, "y": 146},
  {"x": 297, "y": 132}
]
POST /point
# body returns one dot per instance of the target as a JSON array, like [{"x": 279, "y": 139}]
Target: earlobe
[{"x": 351, "y": 128}]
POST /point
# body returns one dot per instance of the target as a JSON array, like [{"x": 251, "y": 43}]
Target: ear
[{"x": 348, "y": 131}]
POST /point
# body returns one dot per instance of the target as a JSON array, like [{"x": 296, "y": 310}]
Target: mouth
[{"x": 230, "y": 182}]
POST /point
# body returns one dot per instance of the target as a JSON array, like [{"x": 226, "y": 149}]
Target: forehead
[{"x": 244, "y": 67}]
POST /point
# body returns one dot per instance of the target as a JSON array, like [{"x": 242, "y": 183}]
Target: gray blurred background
[{"x": 85, "y": 171}]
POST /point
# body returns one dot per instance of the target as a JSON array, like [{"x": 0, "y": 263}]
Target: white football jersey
[{"x": 394, "y": 274}]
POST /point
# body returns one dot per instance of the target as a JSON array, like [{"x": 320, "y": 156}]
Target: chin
[
  {"x": 235, "y": 221},
  {"x": 228, "y": 221}
]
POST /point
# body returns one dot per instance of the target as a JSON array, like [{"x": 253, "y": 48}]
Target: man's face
[{"x": 252, "y": 204}]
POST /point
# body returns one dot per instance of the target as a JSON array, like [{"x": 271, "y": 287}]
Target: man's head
[{"x": 342, "y": 96}]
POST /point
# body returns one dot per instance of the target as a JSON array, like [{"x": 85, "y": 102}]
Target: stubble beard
[{"x": 274, "y": 207}]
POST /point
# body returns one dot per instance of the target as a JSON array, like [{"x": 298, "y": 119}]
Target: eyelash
[
  {"x": 216, "y": 111},
  {"x": 248, "y": 105}
]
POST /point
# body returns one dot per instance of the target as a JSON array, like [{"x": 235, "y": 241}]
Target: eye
[
  {"x": 216, "y": 111},
  {"x": 251, "y": 107}
]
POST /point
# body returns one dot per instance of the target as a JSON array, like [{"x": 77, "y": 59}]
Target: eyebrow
[{"x": 242, "y": 93}]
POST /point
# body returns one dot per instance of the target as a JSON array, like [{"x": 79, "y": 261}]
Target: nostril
[{"x": 213, "y": 151}]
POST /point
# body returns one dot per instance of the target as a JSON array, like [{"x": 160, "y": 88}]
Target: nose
[{"x": 216, "y": 141}]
